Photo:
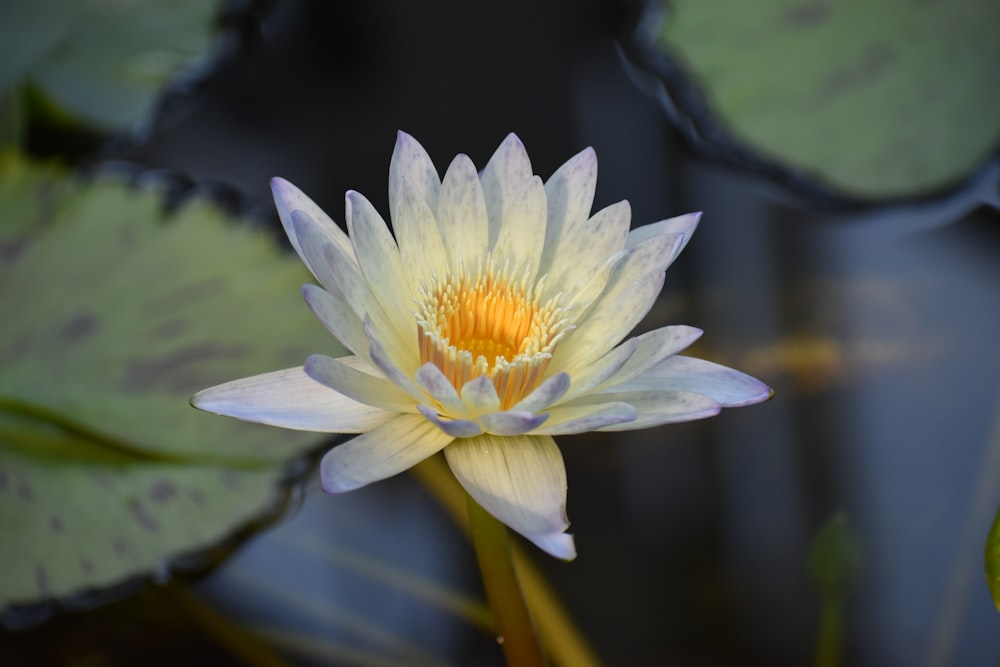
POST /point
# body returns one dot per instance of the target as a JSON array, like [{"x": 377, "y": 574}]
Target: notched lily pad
[
  {"x": 114, "y": 314},
  {"x": 103, "y": 62},
  {"x": 874, "y": 102}
]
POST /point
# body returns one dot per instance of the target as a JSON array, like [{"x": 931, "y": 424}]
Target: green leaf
[
  {"x": 114, "y": 315},
  {"x": 883, "y": 99},
  {"x": 993, "y": 561},
  {"x": 102, "y": 60}
]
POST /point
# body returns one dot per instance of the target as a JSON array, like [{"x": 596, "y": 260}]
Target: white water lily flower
[{"x": 491, "y": 320}]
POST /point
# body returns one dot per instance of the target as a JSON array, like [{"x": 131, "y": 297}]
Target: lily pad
[
  {"x": 876, "y": 101},
  {"x": 103, "y": 61},
  {"x": 114, "y": 314}
]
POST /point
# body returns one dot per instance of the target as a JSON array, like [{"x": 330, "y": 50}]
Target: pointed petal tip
[{"x": 559, "y": 545}]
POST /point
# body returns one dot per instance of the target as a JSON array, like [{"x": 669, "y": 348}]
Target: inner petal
[{"x": 489, "y": 324}]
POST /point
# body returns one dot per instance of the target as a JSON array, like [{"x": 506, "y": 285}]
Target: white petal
[
  {"x": 521, "y": 480},
  {"x": 380, "y": 263},
  {"x": 521, "y": 239},
  {"x": 382, "y": 452},
  {"x": 585, "y": 251},
  {"x": 420, "y": 245},
  {"x": 511, "y": 422},
  {"x": 604, "y": 327},
  {"x": 430, "y": 378},
  {"x": 334, "y": 313},
  {"x": 595, "y": 373},
  {"x": 504, "y": 175},
  {"x": 348, "y": 280},
  {"x": 682, "y": 224},
  {"x": 727, "y": 386},
  {"x": 545, "y": 394},
  {"x": 410, "y": 164},
  {"x": 479, "y": 395},
  {"x": 570, "y": 194},
  {"x": 659, "y": 407},
  {"x": 653, "y": 347},
  {"x": 288, "y": 198},
  {"x": 385, "y": 363},
  {"x": 461, "y": 215},
  {"x": 359, "y": 386},
  {"x": 456, "y": 428},
  {"x": 559, "y": 545},
  {"x": 290, "y": 399},
  {"x": 585, "y": 418}
]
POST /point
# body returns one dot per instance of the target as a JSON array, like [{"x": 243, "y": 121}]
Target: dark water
[{"x": 877, "y": 332}]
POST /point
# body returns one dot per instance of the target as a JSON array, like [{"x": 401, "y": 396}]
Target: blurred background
[{"x": 842, "y": 522}]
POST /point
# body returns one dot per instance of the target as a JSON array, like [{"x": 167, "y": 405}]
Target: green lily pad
[
  {"x": 876, "y": 100},
  {"x": 114, "y": 314},
  {"x": 102, "y": 61}
]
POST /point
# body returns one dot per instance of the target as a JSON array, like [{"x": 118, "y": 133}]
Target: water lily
[{"x": 493, "y": 317}]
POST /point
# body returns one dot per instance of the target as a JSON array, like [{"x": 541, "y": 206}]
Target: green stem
[
  {"x": 515, "y": 630},
  {"x": 830, "y": 632}
]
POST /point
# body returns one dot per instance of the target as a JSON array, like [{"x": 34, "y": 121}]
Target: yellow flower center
[{"x": 489, "y": 325}]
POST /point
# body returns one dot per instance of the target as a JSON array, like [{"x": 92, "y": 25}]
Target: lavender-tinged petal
[
  {"x": 570, "y": 194},
  {"x": 461, "y": 215},
  {"x": 382, "y": 361},
  {"x": 456, "y": 428},
  {"x": 411, "y": 165},
  {"x": 684, "y": 225},
  {"x": 334, "y": 313},
  {"x": 727, "y": 386},
  {"x": 545, "y": 394},
  {"x": 291, "y": 399},
  {"x": 586, "y": 251},
  {"x": 653, "y": 347},
  {"x": 421, "y": 247},
  {"x": 585, "y": 418},
  {"x": 659, "y": 407},
  {"x": 479, "y": 395},
  {"x": 382, "y": 452},
  {"x": 503, "y": 178},
  {"x": 379, "y": 258},
  {"x": 592, "y": 375},
  {"x": 511, "y": 422},
  {"x": 430, "y": 378},
  {"x": 560, "y": 545},
  {"x": 521, "y": 480},
  {"x": 288, "y": 198},
  {"x": 356, "y": 385}
]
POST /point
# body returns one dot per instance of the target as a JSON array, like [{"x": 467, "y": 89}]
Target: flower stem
[{"x": 515, "y": 630}]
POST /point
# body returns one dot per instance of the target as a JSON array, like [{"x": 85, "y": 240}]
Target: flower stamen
[{"x": 489, "y": 325}]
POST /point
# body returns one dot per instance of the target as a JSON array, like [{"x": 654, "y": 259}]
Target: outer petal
[
  {"x": 585, "y": 418},
  {"x": 651, "y": 348},
  {"x": 380, "y": 263},
  {"x": 503, "y": 177},
  {"x": 288, "y": 198},
  {"x": 410, "y": 164},
  {"x": 655, "y": 407},
  {"x": 359, "y": 386},
  {"x": 461, "y": 215},
  {"x": 589, "y": 248},
  {"x": 456, "y": 428},
  {"x": 333, "y": 311},
  {"x": 420, "y": 245},
  {"x": 682, "y": 224},
  {"x": 521, "y": 480},
  {"x": 511, "y": 422},
  {"x": 290, "y": 399},
  {"x": 382, "y": 452},
  {"x": 727, "y": 386},
  {"x": 570, "y": 194}
]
